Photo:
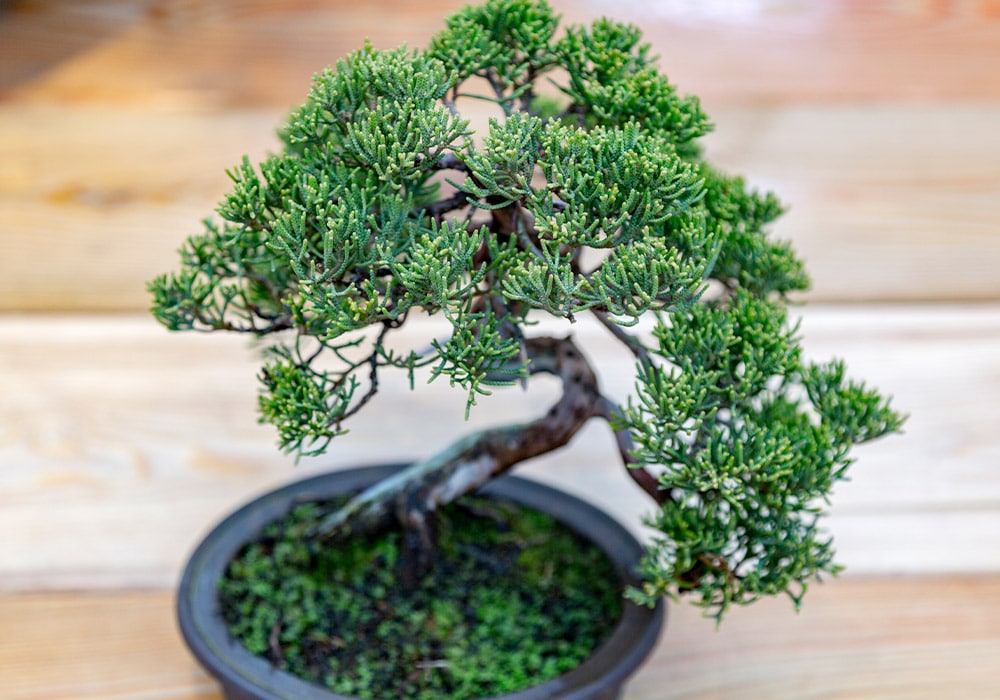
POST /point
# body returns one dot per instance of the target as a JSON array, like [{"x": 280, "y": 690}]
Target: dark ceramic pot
[{"x": 244, "y": 676}]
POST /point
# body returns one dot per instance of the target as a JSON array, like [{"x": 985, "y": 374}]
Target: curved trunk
[
  {"x": 411, "y": 496},
  {"x": 470, "y": 462}
]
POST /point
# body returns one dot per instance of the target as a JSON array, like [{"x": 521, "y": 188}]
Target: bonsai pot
[{"x": 244, "y": 676}]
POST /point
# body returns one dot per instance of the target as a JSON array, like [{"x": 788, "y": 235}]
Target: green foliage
[
  {"x": 619, "y": 183},
  {"x": 750, "y": 441},
  {"x": 304, "y": 404},
  {"x": 508, "y": 42},
  {"x": 749, "y": 259},
  {"x": 587, "y": 193},
  {"x": 613, "y": 81},
  {"x": 479, "y": 354},
  {"x": 346, "y": 229},
  {"x": 503, "y": 169}
]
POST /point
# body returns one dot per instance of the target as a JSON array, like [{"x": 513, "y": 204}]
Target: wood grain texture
[
  {"x": 874, "y": 122},
  {"x": 911, "y": 638},
  {"x": 96, "y": 645},
  {"x": 885, "y": 202},
  {"x": 239, "y": 52},
  {"x": 854, "y": 639},
  {"x": 99, "y": 206},
  {"x": 120, "y": 444}
]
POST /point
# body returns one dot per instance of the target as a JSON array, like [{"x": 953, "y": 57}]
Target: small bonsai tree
[{"x": 586, "y": 195}]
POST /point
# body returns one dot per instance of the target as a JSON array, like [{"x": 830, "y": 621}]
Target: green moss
[{"x": 513, "y": 600}]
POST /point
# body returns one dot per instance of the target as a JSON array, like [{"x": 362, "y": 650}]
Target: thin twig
[
  {"x": 634, "y": 345},
  {"x": 607, "y": 409},
  {"x": 450, "y": 161},
  {"x": 437, "y": 209},
  {"x": 372, "y": 361}
]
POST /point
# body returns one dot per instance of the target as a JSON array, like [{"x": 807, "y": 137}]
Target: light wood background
[{"x": 878, "y": 123}]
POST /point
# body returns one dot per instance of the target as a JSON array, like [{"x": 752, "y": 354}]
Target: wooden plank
[
  {"x": 886, "y": 202},
  {"x": 119, "y": 644},
  {"x": 855, "y": 638},
  {"x": 874, "y": 122},
  {"x": 263, "y": 52},
  {"x": 820, "y": 51},
  {"x": 121, "y": 444},
  {"x": 97, "y": 208},
  {"x": 226, "y": 53}
]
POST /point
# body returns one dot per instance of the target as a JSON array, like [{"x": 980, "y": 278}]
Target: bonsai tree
[{"x": 586, "y": 194}]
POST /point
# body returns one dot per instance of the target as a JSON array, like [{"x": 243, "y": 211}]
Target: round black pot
[{"x": 244, "y": 676}]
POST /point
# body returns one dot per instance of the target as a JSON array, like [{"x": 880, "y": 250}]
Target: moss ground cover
[{"x": 512, "y": 599}]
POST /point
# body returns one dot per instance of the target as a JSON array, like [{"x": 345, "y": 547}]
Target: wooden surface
[
  {"x": 859, "y": 639},
  {"x": 120, "y": 444}
]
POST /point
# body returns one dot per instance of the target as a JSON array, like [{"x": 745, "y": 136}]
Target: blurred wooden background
[{"x": 877, "y": 122}]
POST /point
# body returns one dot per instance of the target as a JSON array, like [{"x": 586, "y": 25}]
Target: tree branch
[
  {"x": 634, "y": 345},
  {"x": 450, "y": 161},
  {"x": 372, "y": 362},
  {"x": 437, "y": 209},
  {"x": 640, "y": 475}
]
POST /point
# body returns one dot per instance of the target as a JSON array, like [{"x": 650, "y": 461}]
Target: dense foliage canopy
[{"x": 587, "y": 192}]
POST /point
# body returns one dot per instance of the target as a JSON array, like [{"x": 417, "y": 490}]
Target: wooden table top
[{"x": 120, "y": 444}]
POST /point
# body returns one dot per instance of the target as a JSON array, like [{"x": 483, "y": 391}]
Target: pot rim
[{"x": 206, "y": 635}]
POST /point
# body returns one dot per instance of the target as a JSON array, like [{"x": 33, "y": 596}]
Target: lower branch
[{"x": 640, "y": 475}]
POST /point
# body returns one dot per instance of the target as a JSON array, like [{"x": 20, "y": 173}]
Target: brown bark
[
  {"x": 470, "y": 462},
  {"x": 639, "y": 474}
]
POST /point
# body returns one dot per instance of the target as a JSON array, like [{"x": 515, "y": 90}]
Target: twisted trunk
[{"x": 411, "y": 495}]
